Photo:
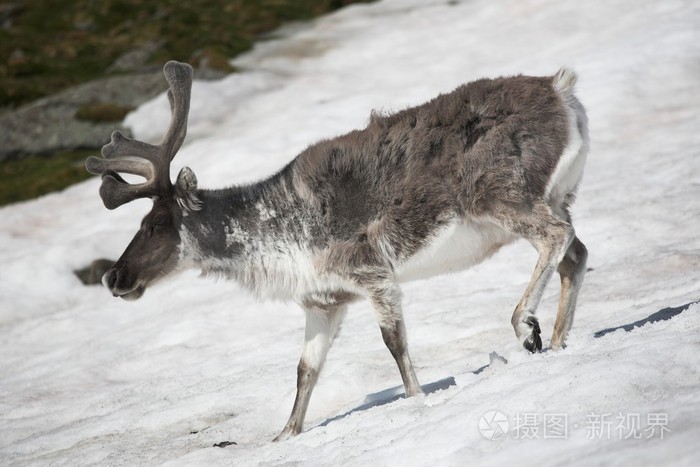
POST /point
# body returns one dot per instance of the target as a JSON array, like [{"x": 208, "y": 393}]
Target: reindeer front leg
[
  {"x": 385, "y": 297},
  {"x": 323, "y": 318}
]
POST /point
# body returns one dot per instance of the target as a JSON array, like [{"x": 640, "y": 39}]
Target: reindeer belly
[{"x": 457, "y": 246}]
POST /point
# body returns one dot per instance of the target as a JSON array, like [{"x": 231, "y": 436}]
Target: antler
[{"x": 151, "y": 162}]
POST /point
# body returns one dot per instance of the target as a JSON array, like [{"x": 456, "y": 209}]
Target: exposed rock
[
  {"x": 92, "y": 275},
  {"x": 49, "y": 124}
]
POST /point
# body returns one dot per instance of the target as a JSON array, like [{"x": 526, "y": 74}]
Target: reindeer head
[{"x": 153, "y": 253}]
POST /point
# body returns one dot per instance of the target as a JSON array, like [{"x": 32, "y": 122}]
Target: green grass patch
[
  {"x": 46, "y": 46},
  {"x": 102, "y": 112},
  {"x": 38, "y": 175}
]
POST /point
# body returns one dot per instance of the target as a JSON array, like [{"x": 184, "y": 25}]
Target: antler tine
[
  {"x": 122, "y": 146},
  {"x": 179, "y": 77},
  {"x": 125, "y": 155},
  {"x": 152, "y": 162},
  {"x": 116, "y": 191},
  {"x": 183, "y": 132},
  {"x": 97, "y": 166}
]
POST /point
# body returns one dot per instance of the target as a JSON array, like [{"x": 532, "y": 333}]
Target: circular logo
[{"x": 493, "y": 425}]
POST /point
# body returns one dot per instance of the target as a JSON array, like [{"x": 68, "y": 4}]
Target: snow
[{"x": 88, "y": 379}]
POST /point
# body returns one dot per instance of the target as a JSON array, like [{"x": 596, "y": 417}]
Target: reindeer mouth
[
  {"x": 127, "y": 294},
  {"x": 130, "y": 295},
  {"x": 114, "y": 281}
]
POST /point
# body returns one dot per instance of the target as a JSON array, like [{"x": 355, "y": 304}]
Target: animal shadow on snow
[
  {"x": 390, "y": 395},
  {"x": 661, "y": 315}
]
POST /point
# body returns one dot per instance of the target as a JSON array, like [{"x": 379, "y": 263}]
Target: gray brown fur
[{"x": 351, "y": 217}]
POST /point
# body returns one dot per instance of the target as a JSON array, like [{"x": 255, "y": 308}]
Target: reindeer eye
[{"x": 160, "y": 221}]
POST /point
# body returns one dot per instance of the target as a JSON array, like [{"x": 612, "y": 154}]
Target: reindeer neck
[{"x": 255, "y": 234}]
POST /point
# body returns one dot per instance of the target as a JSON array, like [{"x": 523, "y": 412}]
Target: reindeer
[{"x": 428, "y": 190}]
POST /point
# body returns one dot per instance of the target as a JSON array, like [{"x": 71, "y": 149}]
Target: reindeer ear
[{"x": 186, "y": 190}]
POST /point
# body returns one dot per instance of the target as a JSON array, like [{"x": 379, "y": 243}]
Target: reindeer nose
[{"x": 109, "y": 279}]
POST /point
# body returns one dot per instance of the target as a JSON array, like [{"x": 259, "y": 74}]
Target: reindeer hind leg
[
  {"x": 551, "y": 236},
  {"x": 572, "y": 269}
]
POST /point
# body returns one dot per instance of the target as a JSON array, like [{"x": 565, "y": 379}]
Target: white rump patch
[
  {"x": 564, "y": 81},
  {"x": 569, "y": 170}
]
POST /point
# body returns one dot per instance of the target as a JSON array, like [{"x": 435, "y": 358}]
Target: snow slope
[{"x": 87, "y": 379}]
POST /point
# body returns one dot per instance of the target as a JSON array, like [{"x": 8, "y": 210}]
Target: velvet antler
[{"x": 152, "y": 162}]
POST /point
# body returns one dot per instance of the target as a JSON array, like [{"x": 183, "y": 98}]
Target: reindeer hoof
[
  {"x": 533, "y": 342},
  {"x": 286, "y": 434}
]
